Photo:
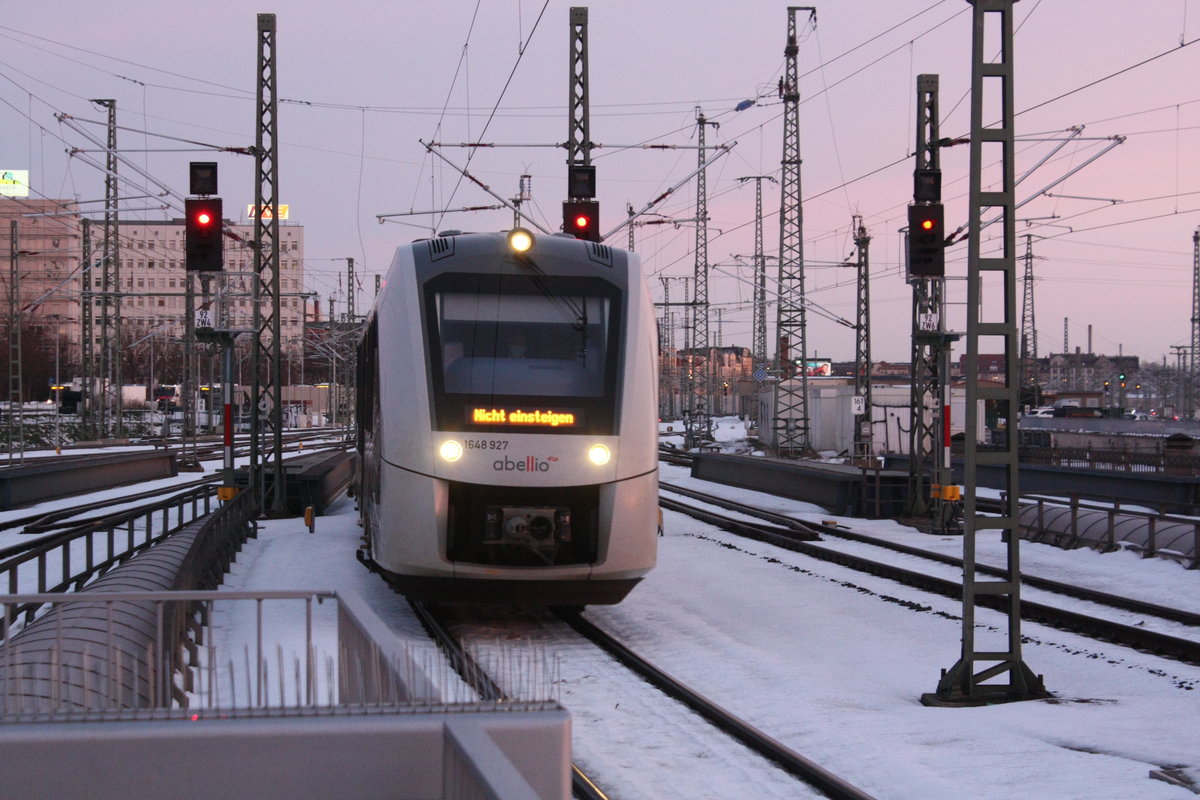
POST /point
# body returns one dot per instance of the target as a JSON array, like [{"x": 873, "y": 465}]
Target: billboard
[
  {"x": 252, "y": 211},
  {"x": 819, "y": 366},
  {"x": 14, "y": 183}
]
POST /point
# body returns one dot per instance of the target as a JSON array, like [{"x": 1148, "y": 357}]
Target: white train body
[{"x": 507, "y": 422}]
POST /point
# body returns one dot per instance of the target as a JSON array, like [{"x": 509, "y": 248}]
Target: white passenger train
[{"x": 507, "y": 421}]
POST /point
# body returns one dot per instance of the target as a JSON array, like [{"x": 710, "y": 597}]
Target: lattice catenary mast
[
  {"x": 759, "y": 344},
  {"x": 698, "y": 423},
  {"x": 110, "y": 404},
  {"x": 791, "y": 396},
  {"x": 1189, "y": 397},
  {"x": 862, "y": 343},
  {"x": 267, "y": 390},
  {"x": 1029, "y": 346},
  {"x": 972, "y": 679}
]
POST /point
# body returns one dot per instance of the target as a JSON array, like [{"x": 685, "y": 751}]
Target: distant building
[
  {"x": 150, "y": 254},
  {"x": 48, "y": 248},
  {"x": 1084, "y": 372},
  {"x": 153, "y": 278},
  {"x": 153, "y": 275},
  {"x": 734, "y": 390}
]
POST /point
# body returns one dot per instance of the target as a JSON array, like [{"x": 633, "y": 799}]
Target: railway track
[
  {"x": 41, "y": 522},
  {"x": 754, "y": 740},
  {"x": 475, "y": 676},
  {"x": 800, "y": 536}
]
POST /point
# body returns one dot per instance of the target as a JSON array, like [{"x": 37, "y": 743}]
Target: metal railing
[
  {"x": 69, "y": 559},
  {"x": 292, "y": 684},
  {"x": 137, "y": 651},
  {"x": 1113, "y": 460}
]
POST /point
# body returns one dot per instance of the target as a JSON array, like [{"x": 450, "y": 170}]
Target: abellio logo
[{"x": 528, "y": 464}]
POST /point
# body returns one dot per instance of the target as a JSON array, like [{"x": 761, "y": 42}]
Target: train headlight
[
  {"x": 520, "y": 240},
  {"x": 451, "y": 450},
  {"x": 599, "y": 455}
]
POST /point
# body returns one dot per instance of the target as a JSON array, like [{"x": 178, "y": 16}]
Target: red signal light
[
  {"x": 580, "y": 219},
  {"x": 202, "y": 235},
  {"x": 926, "y": 243}
]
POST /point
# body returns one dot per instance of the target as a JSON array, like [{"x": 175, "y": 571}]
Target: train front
[{"x": 537, "y": 467}]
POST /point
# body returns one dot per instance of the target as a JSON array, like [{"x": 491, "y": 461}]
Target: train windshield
[{"x": 516, "y": 351}]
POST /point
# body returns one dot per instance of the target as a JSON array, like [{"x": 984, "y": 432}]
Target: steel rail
[
  {"x": 760, "y": 743},
  {"x": 1174, "y": 647},
  {"x": 476, "y": 677},
  {"x": 1033, "y": 581}
]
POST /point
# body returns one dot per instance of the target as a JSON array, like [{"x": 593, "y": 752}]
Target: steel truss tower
[
  {"x": 792, "y": 434},
  {"x": 267, "y": 390},
  {"x": 87, "y": 336},
  {"x": 350, "y": 396},
  {"x": 668, "y": 357},
  {"x": 1029, "y": 347},
  {"x": 862, "y": 343},
  {"x": 1189, "y": 397},
  {"x": 110, "y": 404},
  {"x": 991, "y": 322},
  {"x": 928, "y": 324},
  {"x": 16, "y": 417},
  {"x": 759, "y": 348},
  {"x": 698, "y": 423}
]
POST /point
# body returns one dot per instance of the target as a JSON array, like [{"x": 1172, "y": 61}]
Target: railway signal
[
  {"x": 202, "y": 234},
  {"x": 926, "y": 241},
  {"x": 581, "y": 219}
]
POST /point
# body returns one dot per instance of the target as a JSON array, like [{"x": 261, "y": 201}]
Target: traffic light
[
  {"x": 581, "y": 219},
  {"x": 926, "y": 241},
  {"x": 203, "y": 249}
]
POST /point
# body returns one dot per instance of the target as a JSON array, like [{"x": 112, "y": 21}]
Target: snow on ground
[{"x": 832, "y": 663}]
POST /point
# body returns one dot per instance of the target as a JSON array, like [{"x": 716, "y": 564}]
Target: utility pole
[
  {"x": 349, "y": 397},
  {"x": 1190, "y": 395},
  {"x": 759, "y": 349},
  {"x": 792, "y": 434},
  {"x": 668, "y": 346},
  {"x": 969, "y": 680},
  {"x": 926, "y": 275},
  {"x": 698, "y": 423},
  {"x": 685, "y": 367},
  {"x": 110, "y": 288},
  {"x": 16, "y": 401},
  {"x": 862, "y": 345},
  {"x": 1029, "y": 348},
  {"x": 267, "y": 390},
  {"x": 190, "y": 461},
  {"x": 87, "y": 336}
]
